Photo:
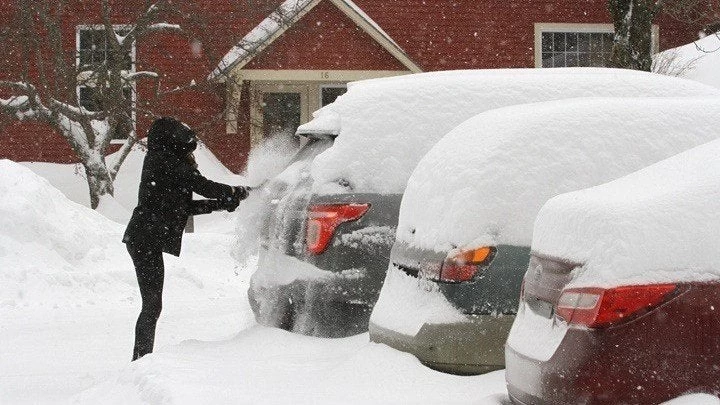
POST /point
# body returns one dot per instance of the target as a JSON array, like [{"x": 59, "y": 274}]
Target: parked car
[
  {"x": 621, "y": 296},
  {"x": 463, "y": 239},
  {"x": 327, "y": 241}
]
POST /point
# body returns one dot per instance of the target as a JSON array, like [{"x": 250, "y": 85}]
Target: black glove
[
  {"x": 241, "y": 192},
  {"x": 230, "y": 203}
]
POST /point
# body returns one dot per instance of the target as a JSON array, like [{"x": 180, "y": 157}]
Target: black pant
[{"x": 150, "y": 272}]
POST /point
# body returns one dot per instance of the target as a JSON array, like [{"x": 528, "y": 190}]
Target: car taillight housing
[
  {"x": 594, "y": 307},
  {"x": 323, "y": 219},
  {"x": 463, "y": 266}
]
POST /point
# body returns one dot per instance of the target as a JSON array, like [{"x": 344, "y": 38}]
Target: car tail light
[
  {"x": 465, "y": 265},
  {"x": 598, "y": 307},
  {"x": 323, "y": 219}
]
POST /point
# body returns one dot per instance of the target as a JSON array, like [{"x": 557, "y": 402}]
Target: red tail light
[
  {"x": 323, "y": 219},
  {"x": 465, "y": 265},
  {"x": 599, "y": 308}
]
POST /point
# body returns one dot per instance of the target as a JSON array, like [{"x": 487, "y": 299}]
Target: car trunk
[
  {"x": 289, "y": 194},
  {"x": 543, "y": 283}
]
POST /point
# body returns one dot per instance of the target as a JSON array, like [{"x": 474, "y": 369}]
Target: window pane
[
  {"x": 584, "y": 42},
  {"x": 559, "y": 41},
  {"x": 571, "y": 42},
  {"x": 571, "y": 59},
  {"x": 329, "y": 94},
  {"x": 547, "y": 60},
  {"x": 547, "y": 42}
]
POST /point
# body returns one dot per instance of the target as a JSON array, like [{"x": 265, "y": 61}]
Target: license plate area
[{"x": 540, "y": 307}]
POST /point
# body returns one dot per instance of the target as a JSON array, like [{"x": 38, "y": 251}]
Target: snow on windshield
[
  {"x": 656, "y": 225},
  {"x": 387, "y": 125},
  {"x": 486, "y": 180}
]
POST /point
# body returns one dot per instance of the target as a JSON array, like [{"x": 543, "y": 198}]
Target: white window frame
[
  {"x": 84, "y": 76},
  {"x": 540, "y": 28}
]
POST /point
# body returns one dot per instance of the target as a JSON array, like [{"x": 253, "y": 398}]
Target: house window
[
  {"x": 570, "y": 49},
  {"x": 570, "y": 45},
  {"x": 92, "y": 53},
  {"x": 92, "y": 46}
]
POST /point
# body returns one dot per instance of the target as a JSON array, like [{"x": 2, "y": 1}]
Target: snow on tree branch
[
  {"x": 75, "y": 113},
  {"x": 139, "y": 75},
  {"x": 164, "y": 27}
]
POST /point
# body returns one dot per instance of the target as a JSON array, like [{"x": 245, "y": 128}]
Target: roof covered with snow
[
  {"x": 485, "y": 182},
  {"x": 289, "y": 12},
  {"x": 657, "y": 225},
  {"x": 387, "y": 125}
]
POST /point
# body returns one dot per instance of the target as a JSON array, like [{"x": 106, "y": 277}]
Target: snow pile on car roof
[
  {"x": 484, "y": 183},
  {"x": 699, "y": 60},
  {"x": 659, "y": 224},
  {"x": 387, "y": 125}
]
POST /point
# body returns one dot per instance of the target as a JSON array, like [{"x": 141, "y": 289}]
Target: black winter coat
[{"x": 168, "y": 180}]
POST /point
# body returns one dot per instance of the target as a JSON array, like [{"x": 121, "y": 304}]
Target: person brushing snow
[{"x": 169, "y": 179}]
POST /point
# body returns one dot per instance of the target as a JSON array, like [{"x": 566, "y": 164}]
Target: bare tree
[
  {"x": 633, "y": 26},
  {"x": 46, "y": 88},
  {"x": 633, "y": 32}
]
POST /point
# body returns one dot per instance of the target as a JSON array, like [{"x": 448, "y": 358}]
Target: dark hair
[{"x": 168, "y": 134}]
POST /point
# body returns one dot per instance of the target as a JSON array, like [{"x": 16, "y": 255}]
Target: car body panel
[
  {"x": 662, "y": 354},
  {"x": 488, "y": 305},
  {"x": 453, "y": 347}
]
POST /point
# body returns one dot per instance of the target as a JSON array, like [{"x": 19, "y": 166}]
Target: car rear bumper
[
  {"x": 289, "y": 293},
  {"x": 472, "y": 347}
]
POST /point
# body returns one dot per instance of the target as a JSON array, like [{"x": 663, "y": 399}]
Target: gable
[
  {"x": 325, "y": 39},
  {"x": 287, "y": 15}
]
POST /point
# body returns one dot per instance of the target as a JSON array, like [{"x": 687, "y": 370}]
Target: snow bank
[
  {"x": 486, "y": 180},
  {"x": 271, "y": 366},
  {"x": 44, "y": 237},
  {"x": 387, "y": 125},
  {"x": 699, "y": 60},
  {"x": 659, "y": 224}
]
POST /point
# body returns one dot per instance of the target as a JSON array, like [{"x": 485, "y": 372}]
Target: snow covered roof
[
  {"x": 485, "y": 182},
  {"x": 288, "y": 13},
  {"x": 387, "y": 125},
  {"x": 657, "y": 225}
]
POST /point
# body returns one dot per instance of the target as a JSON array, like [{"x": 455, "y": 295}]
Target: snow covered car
[
  {"x": 465, "y": 227},
  {"x": 326, "y": 244},
  {"x": 621, "y": 297}
]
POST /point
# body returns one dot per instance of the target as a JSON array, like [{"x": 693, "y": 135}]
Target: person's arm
[
  {"x": 199, "y": 207},
  {"x": 206, "y": 188}
]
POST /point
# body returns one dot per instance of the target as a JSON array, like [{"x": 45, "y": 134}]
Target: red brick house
[{"x": 253, "y": 76}]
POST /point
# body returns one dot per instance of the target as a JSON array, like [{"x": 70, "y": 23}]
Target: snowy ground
[{"x": 68, "y": 303}]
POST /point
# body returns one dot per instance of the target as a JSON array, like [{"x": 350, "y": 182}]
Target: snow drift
[
  {"x": 657, "y": 225},
  {"x": 699, "y": 60},
  {"x": 44, "y": 237},
  {"x": 387, "y": 125}
]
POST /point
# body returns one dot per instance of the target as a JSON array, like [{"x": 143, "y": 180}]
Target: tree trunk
[
  {"x": 99, "y": 180},
  {"x": 632, "y": 48}
]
